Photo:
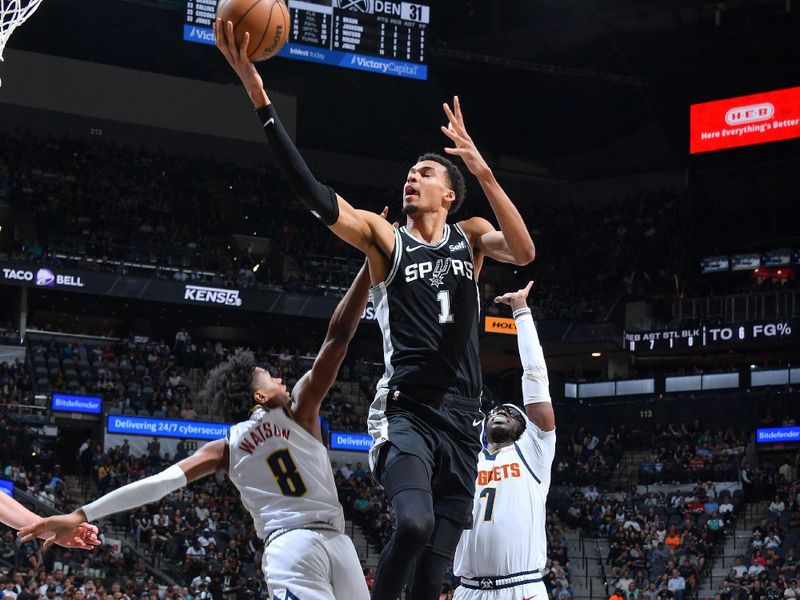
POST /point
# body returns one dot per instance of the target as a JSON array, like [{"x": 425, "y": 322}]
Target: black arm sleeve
[{"x": 318, "y": 198}]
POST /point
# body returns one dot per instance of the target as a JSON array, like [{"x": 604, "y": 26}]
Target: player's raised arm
[
  {"x": 312, "y": 387},
  {"x": 361, "y": 229},
  {"x": 535, "y": 381},
  {"x": 513, "y": 243},
  {"x": 62, "y": 527}
]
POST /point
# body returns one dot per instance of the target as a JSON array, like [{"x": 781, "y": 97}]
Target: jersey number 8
[{"x": 285, "y": 473}]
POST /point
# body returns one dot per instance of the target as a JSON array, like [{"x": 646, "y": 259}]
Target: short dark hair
[
  {"x": 457, "y": 183},
  {"x": 229, "y": 386}
]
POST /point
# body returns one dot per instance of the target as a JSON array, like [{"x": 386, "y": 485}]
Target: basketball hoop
[{"x": 14, "y": 13}]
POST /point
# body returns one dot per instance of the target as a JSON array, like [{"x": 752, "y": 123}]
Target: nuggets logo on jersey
[{"x": 498, "y": 473}]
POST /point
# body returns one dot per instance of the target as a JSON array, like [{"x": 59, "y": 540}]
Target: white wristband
[
  {"x": 520, "y": 312},
  {"x": 136, "y": 494}
]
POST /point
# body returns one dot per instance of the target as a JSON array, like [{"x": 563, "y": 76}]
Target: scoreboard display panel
[
  {"x": 378, "y": 36},
  {"x": 710, "y": 337}
]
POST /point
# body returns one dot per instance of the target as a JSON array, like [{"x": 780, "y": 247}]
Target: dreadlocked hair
[{"x": 229, "y": 387}]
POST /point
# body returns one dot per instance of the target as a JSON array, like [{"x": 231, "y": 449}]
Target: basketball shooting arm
[
  {"x": 362, "y": 229},
  {"x": 535, "y": 381},
  {"x": 513, "y": 243},
  {"x": 205, "y": 461},
  {"x": 312, "y": 387}
]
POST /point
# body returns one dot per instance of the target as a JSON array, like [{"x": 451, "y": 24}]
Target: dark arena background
[{"x": 651, "y": 148}]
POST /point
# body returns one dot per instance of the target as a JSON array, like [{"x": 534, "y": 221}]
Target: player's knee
[{"x": 415, "y": 530}]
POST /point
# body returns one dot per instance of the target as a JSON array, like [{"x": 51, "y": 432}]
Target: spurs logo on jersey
[
  {"x": 510, "y": 495},
  {"x": 283, "y": 473},
  {"x": 460, "y": 268},
  {"x": 428, "y": 311}
]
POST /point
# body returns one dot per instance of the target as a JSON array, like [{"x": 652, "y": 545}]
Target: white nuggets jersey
[
  {"x": 282, "y": 473},
  {"x": 508, "y": 530}
]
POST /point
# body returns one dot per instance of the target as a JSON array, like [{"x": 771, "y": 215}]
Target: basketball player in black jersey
[{"x": 425, "y": 420}]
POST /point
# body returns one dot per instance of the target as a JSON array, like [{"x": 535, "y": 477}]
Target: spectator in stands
[
  {"x": 747, "y": 478},
  {"x": 677, "y": 584},
  {"x": 777, "y": 506},
  {"x": 617, "y": 595},
  {"x": 773, "y": 591},
  {"x": 195, "y": 557},
  {"x": 188, "y": 413}
]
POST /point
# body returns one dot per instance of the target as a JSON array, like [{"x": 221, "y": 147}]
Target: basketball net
[{"x": 14, "y": 13}]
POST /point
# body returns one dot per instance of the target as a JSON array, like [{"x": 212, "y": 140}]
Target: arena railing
[{"x": 733, "y": 308}]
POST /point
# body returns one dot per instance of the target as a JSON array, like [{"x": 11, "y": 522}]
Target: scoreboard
[
  {"x": 378, "y": 36},
  {"x": 711, "y": 337}
]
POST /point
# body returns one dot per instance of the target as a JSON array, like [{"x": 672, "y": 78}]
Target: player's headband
[{"x": 513, "y": 410}]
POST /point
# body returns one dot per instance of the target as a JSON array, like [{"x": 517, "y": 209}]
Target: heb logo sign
[
  {"x": 199, "y": 293},
  {"x": 750, "y": 114},
  {"x": 500, "y": 325},
  {"x": 745, "y": 120}
]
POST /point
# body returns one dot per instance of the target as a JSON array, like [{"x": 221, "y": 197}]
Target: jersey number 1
[
  {"x": 285, "y": 472},
  {"x": 445, "y": 316}
]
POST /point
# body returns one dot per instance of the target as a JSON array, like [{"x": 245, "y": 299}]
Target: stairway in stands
[
  {"x": 364, "y": 549},
  {"x": 736, "y": 543},
  {"x": 586, "y": 556}
]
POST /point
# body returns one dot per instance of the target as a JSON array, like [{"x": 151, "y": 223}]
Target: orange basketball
[{"x": 267, "y": 21}]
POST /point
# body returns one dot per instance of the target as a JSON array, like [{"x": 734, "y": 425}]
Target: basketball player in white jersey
[
  {"x": 277, "y": 461},
  {"x": 501, "y": 557}
]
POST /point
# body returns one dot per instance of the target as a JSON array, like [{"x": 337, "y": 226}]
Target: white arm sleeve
[
  {"x": 136, "y": 494},
  {"x": 535, "y": 382}
]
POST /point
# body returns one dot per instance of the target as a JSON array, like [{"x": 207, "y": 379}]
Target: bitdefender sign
[{"x": 746, "y": 120}]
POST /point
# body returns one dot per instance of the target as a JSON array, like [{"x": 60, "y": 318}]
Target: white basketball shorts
[{"x": 305, "y": 564}]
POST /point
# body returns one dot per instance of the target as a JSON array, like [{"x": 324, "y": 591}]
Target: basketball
[{"x": 266, "y": 20}]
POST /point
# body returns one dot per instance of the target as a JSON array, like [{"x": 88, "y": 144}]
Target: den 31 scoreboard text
[{"x": 378, "y": 36}]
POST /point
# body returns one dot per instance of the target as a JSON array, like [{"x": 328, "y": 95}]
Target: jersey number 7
[
  {"x": 285, "y": 472},
  {"x": 489, "y": 494}
]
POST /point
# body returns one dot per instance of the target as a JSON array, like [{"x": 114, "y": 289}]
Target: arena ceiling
[{"x": 571, "y": 89}]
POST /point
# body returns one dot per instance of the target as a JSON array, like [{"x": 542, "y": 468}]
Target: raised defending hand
[
  {"x": 456, "y": 130},
  {"x": 515, "y": 300},
  {"x": 237, "y": 59},
  {"x": 70, "y": 531}
]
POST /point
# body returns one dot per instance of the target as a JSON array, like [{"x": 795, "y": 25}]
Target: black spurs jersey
[{"x": 428, "y": 311}]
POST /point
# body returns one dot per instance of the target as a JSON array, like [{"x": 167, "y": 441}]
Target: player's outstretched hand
[
  {"x": 515, "y": 300},
  {"x": 70, "y": 531},
  {"x": 456, "y": 130},
  {"x": 237, "y": 59}
]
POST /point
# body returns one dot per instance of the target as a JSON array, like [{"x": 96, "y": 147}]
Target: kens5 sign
[{"x": 745, "y": 120}]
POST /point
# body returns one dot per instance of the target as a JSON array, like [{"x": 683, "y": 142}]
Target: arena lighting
[
  {"x": 255, "y": 267},
  {"x": 597, "y": 354}
]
